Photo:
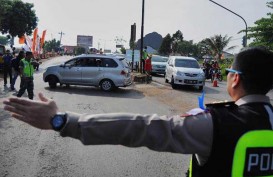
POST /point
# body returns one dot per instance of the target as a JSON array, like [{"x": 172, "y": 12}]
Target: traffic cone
[{"x": 215, "y": 83}]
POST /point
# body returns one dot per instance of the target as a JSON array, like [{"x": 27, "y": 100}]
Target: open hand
[{"x": 37, "y": 113}]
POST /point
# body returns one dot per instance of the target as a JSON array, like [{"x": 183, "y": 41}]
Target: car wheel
[
  {"x": 200, "y": 88},
  {"x": 52, "y": 82},
  {"x": 174, "y": 86},
  {"x": 107, "y": 85}
]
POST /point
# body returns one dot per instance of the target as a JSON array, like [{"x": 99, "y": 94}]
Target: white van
[{"x": 181, "y": 70}]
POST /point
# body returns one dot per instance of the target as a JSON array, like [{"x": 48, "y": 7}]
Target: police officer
[
  {"x": 26, "y": 73},
  {"x": 210, "y": 136}
]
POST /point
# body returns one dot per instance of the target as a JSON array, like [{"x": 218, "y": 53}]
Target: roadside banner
[
  {"x": 34, "y": 41},
  {"x": 28, "y": 42},
  {"x": 43, "y": 38}
]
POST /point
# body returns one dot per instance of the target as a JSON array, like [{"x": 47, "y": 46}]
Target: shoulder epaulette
[{"x": 220, "y": 104}]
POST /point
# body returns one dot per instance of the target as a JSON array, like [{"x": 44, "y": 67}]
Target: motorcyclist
[
  {"x": 215, "y": 65},
  {"x": 206, "y": 68}
]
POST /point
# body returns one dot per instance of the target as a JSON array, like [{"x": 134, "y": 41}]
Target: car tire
[
  {"x": 174, "y": 86},
  {"x": 200, "y": 88},
  {"x": 52, "y": 82},
  {"x": 107, "y": 85}
]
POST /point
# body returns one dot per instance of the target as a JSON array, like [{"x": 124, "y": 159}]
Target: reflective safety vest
[
  {"x": 253, "y": 154},
  {"x": 230, "y": 124},
  {"x": 28, "y": 68}
]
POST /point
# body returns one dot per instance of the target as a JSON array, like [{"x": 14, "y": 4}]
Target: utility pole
[
  {"x": 235, "y": 14},
  {"x": 141, "y": 40},
  {"x": 61, "y": 33}
]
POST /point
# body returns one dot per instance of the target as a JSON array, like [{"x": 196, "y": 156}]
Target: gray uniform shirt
[{"x": 187, "y": 135}]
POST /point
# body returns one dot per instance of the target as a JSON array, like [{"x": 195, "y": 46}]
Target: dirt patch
[{"x": 180, "y": 102}]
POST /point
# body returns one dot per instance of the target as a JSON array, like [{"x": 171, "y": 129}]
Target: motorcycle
[
  {"x": 208, "y": 73},
  {"x": 216, "y": 73}
]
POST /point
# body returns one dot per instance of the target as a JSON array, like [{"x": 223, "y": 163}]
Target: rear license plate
[{"x": 190, "y": 81}]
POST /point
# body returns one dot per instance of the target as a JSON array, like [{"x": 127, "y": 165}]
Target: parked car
[
  {"x": 159, "y": 64},
  {"x": 182, "y": 70},
  {"x": 105, "y": 71}
]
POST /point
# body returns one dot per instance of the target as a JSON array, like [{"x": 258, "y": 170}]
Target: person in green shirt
[{"x": 26, "y": 67}]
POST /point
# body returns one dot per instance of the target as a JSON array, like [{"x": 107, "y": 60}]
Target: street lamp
[
  {"x": 235, "y": 14},
  {"x": 141, "y": 40}
]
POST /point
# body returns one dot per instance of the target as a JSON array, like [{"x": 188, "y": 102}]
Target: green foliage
[
  {"x": 188, "y": 48},
  {"x": 51, "y": 46},
  {"x": 262, "y": 32},
  {"x": 216, "y": 44},
  {"x": 176, "y": 39},
  {"x": 17, "y": 18},
  {"x": 165, "y": 48},
  {"x": 79, "y": 50},
  {"x": 123, "y": 50},
  {"x": 4, "y": 40}
]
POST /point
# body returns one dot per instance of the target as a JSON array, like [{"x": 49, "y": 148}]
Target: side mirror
[{"x": 62, "y": 65}]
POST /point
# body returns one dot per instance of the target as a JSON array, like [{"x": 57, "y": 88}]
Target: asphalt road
[{"x": 26, "y": 151}]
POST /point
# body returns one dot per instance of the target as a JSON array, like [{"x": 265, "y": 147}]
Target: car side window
[
  {"x": 109, "y": 63},
  {"x": 91, "y": 62},
  {"x": 71, "y": 62}
]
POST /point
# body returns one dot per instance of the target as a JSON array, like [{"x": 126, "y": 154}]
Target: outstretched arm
[{"x": 37, "y": 113}]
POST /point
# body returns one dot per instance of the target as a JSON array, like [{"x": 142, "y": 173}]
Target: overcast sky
[{"x": 107, "y": 20}]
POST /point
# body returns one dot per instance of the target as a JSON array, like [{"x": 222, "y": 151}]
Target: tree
[
  {"x": 123, "y": 50},
  {"x": 165, "y": 48},
  {"x": 217, "y": 44},
  {"x": 18, "y": 18},
  {"x": 262, "y": 32},
  {"x": 187, "y": 48},
  {"x": 176, "y": 38},
  {"x": 52, "y": 45}
]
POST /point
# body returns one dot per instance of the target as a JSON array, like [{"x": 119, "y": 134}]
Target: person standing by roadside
[
  {"x": 7, "y": 67},
  {"x": 26, "y": 73},
  {"x": 144, "y": 57},
  {"x": 15, "y": 68}
]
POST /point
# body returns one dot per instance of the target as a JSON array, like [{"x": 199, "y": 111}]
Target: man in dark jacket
[
  {"x": 7, "y": 67},
  {"x": 210, "y": 136},
  {"x": 15, "y": 63}
]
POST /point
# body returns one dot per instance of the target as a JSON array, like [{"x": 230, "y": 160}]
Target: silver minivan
[
  {"x": 105, "y": 71},
  {"x": 181, "y": 70}
]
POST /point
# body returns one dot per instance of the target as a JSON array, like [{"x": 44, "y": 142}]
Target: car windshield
[
  {"x": 159, "y": 59},
  {"x": 186, "y": 63}
]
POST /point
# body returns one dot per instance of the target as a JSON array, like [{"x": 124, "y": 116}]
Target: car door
[
  {"x": 71, "y": 72},
  {"x": 90, "y": 72}
]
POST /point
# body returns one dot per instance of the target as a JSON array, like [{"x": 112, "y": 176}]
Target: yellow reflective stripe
[
  {"x": 258, "y": 138},
  {"x": 190, "y": 169}
]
